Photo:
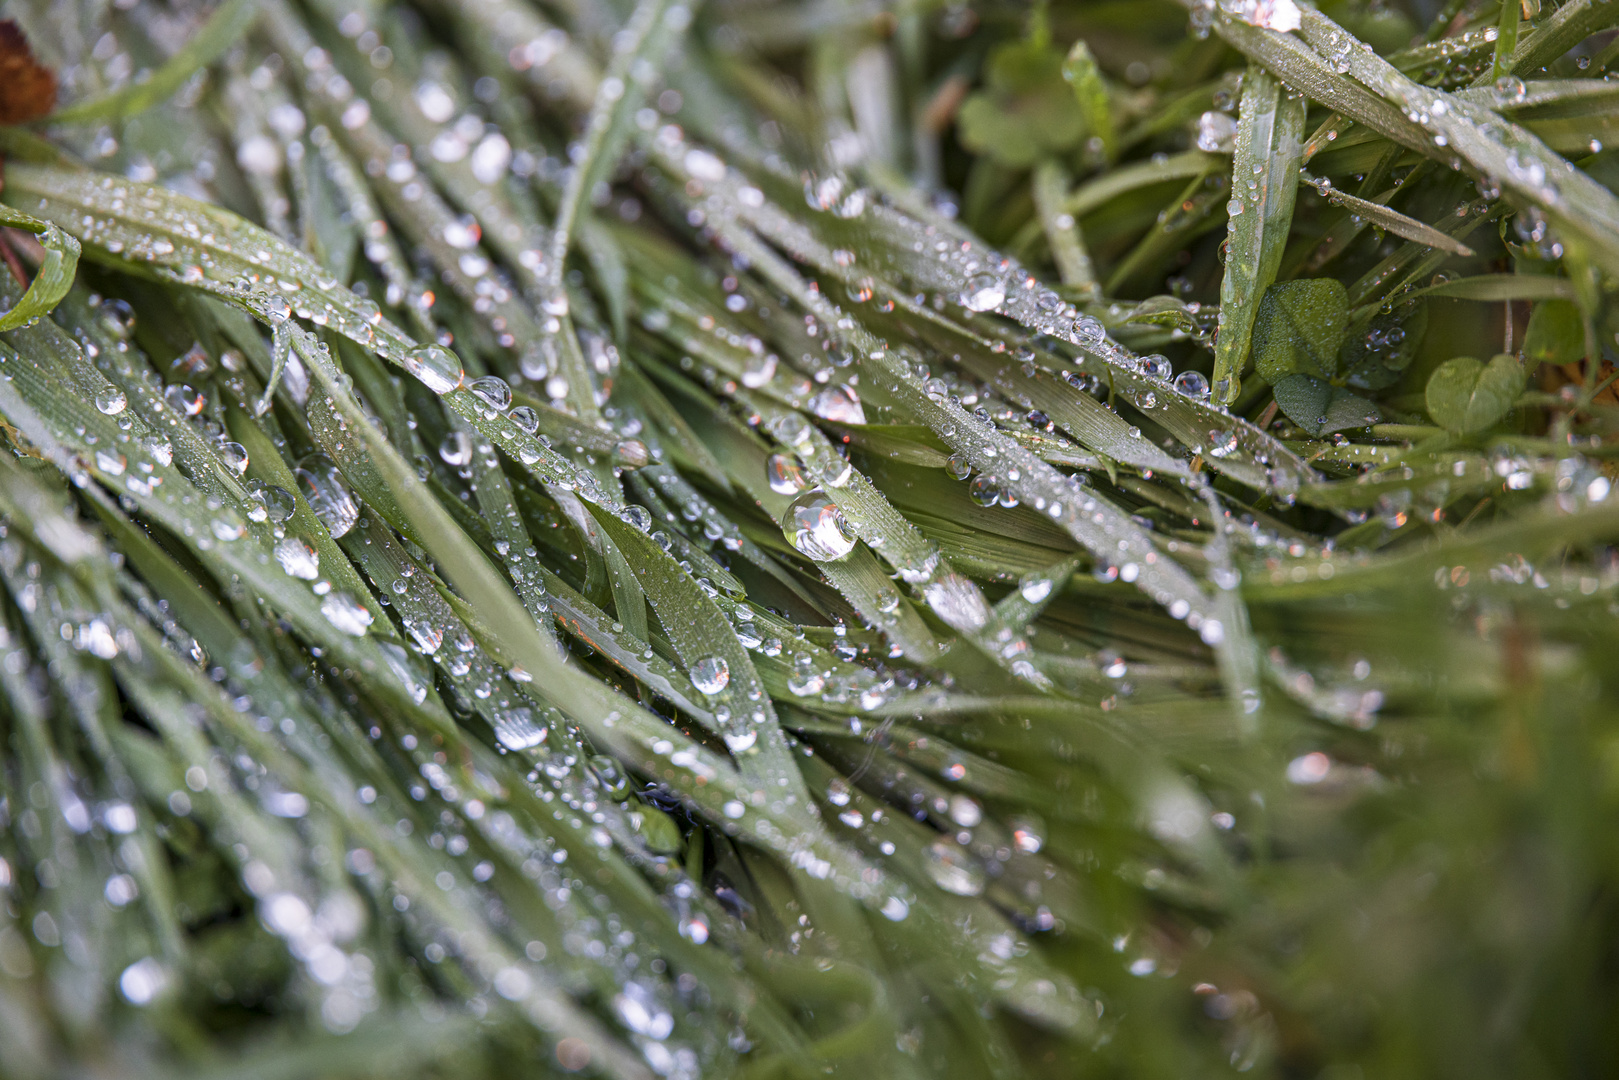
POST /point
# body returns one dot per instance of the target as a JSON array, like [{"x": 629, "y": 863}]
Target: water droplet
[
  {"x": 615, "y": 784},
  {"x": 711, "y": 675},
  {"x": 186, "y": 400},
  {"x": 298, "y": 559},
  {"x": 1034, "y": 590},
  {"x": 346, "y": 614},
  {"x": 111, "y": 401},
  {"x": 234, "y": 454},
  {"x": 838, "y": 403},
  {"x": 438, "y": 368},
  {"x": 456, "y": 449},
  {"x": 1512, "y": 88},
  {"x": 815, "y": 526},
  {"x": 784, "y": 474},
  {"x": 277, "y": 308},
  {"x": 741, "y": 741},
  {"x": 1088, "y": 330},
  {"x": 958, "y": 466},
  {"x": 328, "y": 496},
  {"x": 493, "y": 391},
  {"x": 759, "y": 371},
  {"x": 953, "y": 869},
  {"x": 984, "y": 292},
  {"x": 1192, "y": 384},
  {"x": 1157, "y": 366},
  {"x": 516, "y": 728},
  {"x": 1222, "y": 443},
  {"x": 525, "y": 418}
]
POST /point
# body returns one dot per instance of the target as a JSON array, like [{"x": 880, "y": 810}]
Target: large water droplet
[
  {"x": 493, "y": 391},
  {"x": 1192, "y": 384},
  {"x": 784, "y": 474},
  {"x": 111, "y": 401},
  {"x": 438, "y": 368},
  {"x": 456, "y": 449},
  {"x": 815, "y": 526},
  {"x": 346, "y": 613},
  {"x": 984, "y": 292},
  {"x": 298, "y": 559},
  {"x": 517, "y": 730},
  {"x": 838, "y": 403},
  {"x": 234, "y": 454},
  {"x": 711, "y": 675},
  {"x": 953, "y": 869},
  {"x": 328, "y": 496},
  {"x": 525, "y": 418}
]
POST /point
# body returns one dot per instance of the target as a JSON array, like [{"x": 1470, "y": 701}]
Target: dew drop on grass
[
  {"x": 456, "y": 449},
  {"x": 186, "y": 400},
  {"x": 346, "y": 614},
  {"x": 328, "y": 496},
  {"x": 741, "y": 741},
  {"x": 815, "y": 526},
  {"x": 759, "y": 371},
  {"x": 785, "y": 475},
  {"x": 615, "y": 784},
  {"x": 984, "y": 292},
  {"x": 1222, "y": 444},
  {"x": 234, "y": 454},
  {"x": 111, "y": 401},
  {"x": 526, "y": 419},
  {"x": 1192, "y": 384},
  {"x": 517, "y": 730},
  {"x": 438, "y": 368},
  {"x": 838, "y": 403},
  {"x": 298, "y": 559},
  {"x": 711, "y": 675},
  {"x": 953, "y": 869},
  {"x": 493, "y": 391},
  {"x": 1036, "y": 589}
]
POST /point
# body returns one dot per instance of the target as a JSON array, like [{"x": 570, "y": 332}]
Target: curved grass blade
[{"x": 55, "y": 275}]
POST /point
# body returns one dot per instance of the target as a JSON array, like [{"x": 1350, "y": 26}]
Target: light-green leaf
[
  {"x": 1467, "y": 395},
  {"x": 1556, "y": 334},
  {"x": 1299, "y": 329},
  {"x": 1321, "y": 408},
  {"x": 55, "y": 276}
]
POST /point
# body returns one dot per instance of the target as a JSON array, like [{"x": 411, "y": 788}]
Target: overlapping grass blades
[{"x": 545, "y": 539}]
